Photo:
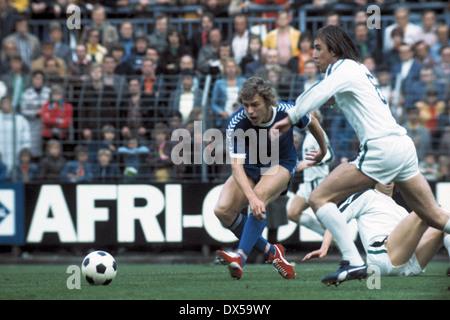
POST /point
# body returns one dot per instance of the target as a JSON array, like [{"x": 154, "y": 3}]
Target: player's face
[
  {"x": 322, "y": 55},
  {"x": 257, "y": 110}
]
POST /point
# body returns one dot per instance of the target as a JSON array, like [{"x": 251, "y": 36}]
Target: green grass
[{"x": 212, "y": 282}]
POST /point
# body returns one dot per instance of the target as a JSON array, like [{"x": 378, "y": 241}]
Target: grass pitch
[{"x": 187, "y": 282}]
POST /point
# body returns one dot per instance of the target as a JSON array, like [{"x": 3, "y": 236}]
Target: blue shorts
[{"x": 255, "y": 172}]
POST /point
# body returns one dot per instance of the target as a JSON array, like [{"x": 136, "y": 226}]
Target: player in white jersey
[
  {"x": 312, "y": 176},
  {"x": 397, "y": 243},
  {"x": 387, "y": 153}
]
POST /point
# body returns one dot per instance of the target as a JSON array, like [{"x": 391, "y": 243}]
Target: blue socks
[{"x": 248, "y": 230}]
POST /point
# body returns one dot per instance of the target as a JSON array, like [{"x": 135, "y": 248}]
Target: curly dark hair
[{"x": 257, "y": 85}]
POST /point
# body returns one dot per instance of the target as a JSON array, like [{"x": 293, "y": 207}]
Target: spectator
[
  {"x": 110, "y": 78},
  {"x": 62, "y": 50},
  {"x": 78, "y": 170},
  {"x": 123, "y": 67},
  {"x": 429, "y": 167},
  {"x": 12, "y": 142},
  {"x": 208, "y": 54},
  {"x": 253, "y": 55},
  {"x": 7, "y": 19},
  {"x": 51, "y": 71},
  {"x": 107, "y": 32},
  {"x": 332, "y": 18},
  {"x": 137, "y": 54},
  {"x": 17, "y": 80},
  {"x": 109, "y": 139},
  {"x": 56, "y": 116},
  {"x": 31, "y": 107},
  {"x": 428, "y": 28},
  {"x": 419, "y": 134},
  {"x": 410, "y": 30},
  {"x": 132, "y": 155},
  {"x": 9, "y": 50},
  {"x": 159, "y": 158},
  {"x": 443, "y": 40},
  {"x": 217, "y": 68},
  {"x": 170, "y": 57},
  {"x": 417, "y": 90},
  {"x": 225, "y": 91},
  {"x": 28, "y": 45},
  {"x": 442, "y": 70},
  {"x": 158, "y": 38},
  {"x": 408, "y": 69},
  {"x": 187, "y": 62},
  {"x": 151, "y": 84},
  {"x": 105, "y": 170},
  {"x": 239, "y": 39},
  {"x": 48, "y": 52},
  {"x": 391, "y": 56},
  {"x": 186, "y": 97},
  {"x": 95, "y": 50},
  {"x": 370, "y": 64},
  {"x": 284, "y": 38},
  {"x": 126, "y": 37},
  {"x": 422, "y": 54},
  {"x": 200, "y": 38},
  {"x": 282, "y": 89},
  {"x": 429, "y": 110},
  {"x": 26, "y": 170},
  {"x": 217, "y": 7},
  {"x": 53, "y": 162},
  {"x": 297, "y": 64},
  {"x": 273, "y": 59},
  {"x": 363, "y": 43},
  {"x": 138, "y": 113},
  {"x": 78, "y": 70},
  {"x": 153, "y": 54},
  {"x": 310, "y": 76},
  {"x": 98, "y": 106}
]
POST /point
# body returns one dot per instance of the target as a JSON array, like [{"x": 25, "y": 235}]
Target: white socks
[
  {"x": 447, "y": 227},
  {"x": 333, "y": 220},
  {"x": 311, "y": 223},
  {"x": 447, "y": 243}
]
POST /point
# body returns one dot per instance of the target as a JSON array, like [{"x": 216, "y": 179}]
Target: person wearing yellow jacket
[{"x": 284, "y": 38}]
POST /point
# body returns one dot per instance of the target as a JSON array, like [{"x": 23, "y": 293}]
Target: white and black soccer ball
[{"x": 99, "y": 268}]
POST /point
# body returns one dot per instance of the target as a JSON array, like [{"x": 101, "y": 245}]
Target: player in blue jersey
[{"x": 255, "y": 182}]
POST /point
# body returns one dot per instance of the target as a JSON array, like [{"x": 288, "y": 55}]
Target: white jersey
[
  {"x": 376, "y": 215},
  {"x": 321, "y": 170},
  {"x": 357, "y": 95}
]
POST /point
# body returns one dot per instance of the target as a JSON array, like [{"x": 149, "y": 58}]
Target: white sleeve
[{"x": 319, "y": 93}]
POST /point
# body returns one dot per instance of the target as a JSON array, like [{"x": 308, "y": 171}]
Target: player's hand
[
  {"x": 280, "y": 128},
  {"x": 315, "y": 157},
  {"x": 258, "y": 209},
  {"x": 315, "y": 254}
]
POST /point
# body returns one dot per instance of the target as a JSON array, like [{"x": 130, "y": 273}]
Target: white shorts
[
  {"x": 377, "y": 257},
  {"x": 305, "y": 188},
  {"x": 388, "y": 159}
]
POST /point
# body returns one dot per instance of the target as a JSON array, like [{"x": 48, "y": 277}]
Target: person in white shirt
[
  {"x": 396, "y": 242},
  {"x": 239, "y": 41},
  {"x": 312, "y": 176},
  {"x": 410, "y": 31},
  {"x": 387, "y": 153}
]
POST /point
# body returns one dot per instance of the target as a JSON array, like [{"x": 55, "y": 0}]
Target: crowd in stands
[{"x": 102, "y": 108}]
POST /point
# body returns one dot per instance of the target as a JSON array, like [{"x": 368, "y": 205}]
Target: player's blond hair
[{"x": 257, "y": 85}]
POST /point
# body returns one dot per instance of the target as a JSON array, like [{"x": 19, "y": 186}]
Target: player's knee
[
  {"x": 222, "y": 213},
  {"x": 315, "y": 202}
]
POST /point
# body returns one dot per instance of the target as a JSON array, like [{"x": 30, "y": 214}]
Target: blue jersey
[{"x": 253, "y": 143}]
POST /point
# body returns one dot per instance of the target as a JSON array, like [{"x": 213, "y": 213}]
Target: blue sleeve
[{"x": 304, "y": 121}]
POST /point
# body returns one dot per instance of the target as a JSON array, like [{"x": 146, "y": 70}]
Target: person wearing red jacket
[{"x": 56, "y": 116}]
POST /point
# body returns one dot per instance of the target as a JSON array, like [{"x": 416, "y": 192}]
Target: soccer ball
[{"x": 99, "y": 268}]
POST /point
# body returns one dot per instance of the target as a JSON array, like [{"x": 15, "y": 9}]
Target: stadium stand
[{"x": 112, "y": 78}]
